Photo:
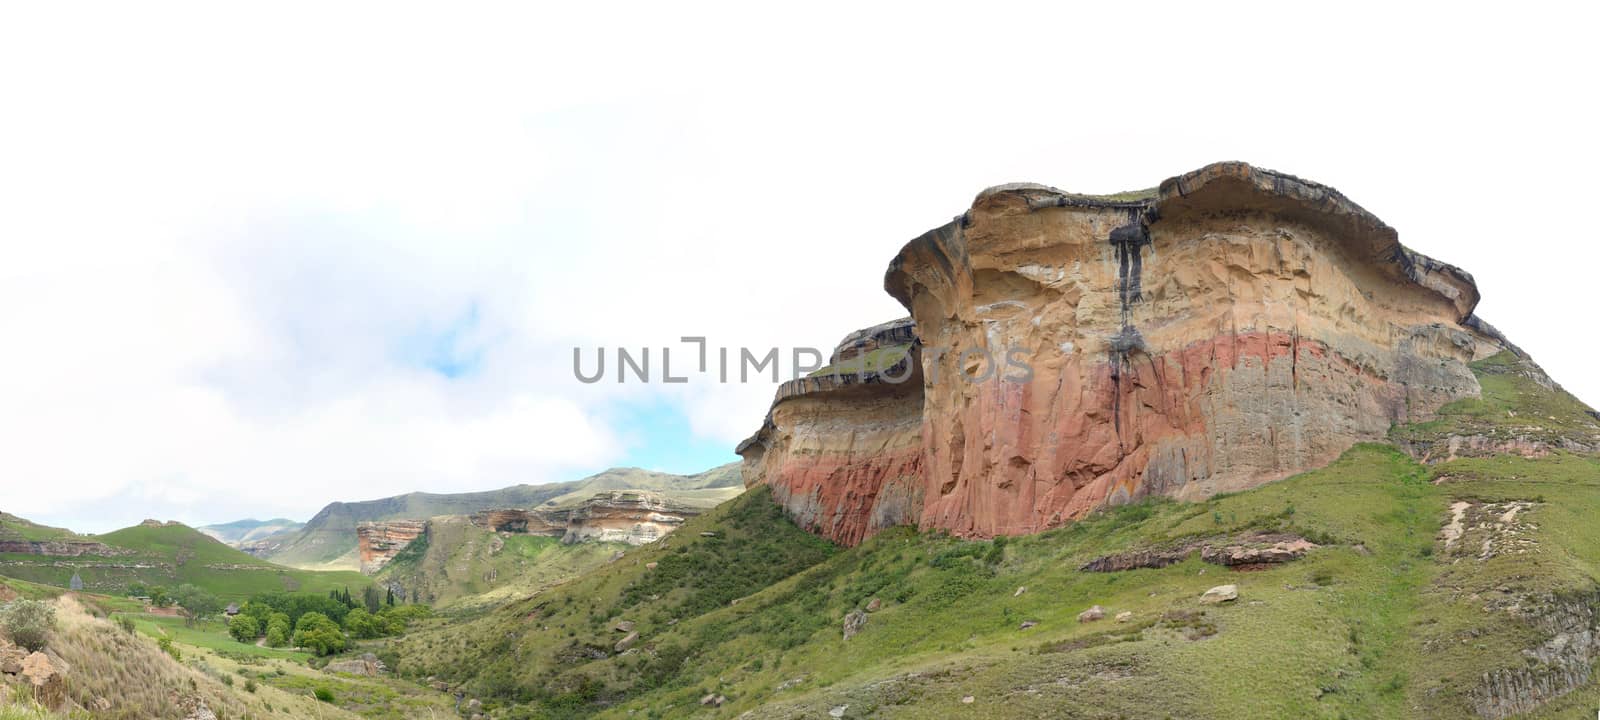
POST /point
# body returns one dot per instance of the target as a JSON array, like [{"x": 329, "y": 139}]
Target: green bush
[
  {"x": 126, "y": 623},
  {"x": 244, "y": 628},
  {"x": 317, "y": 633},
  {"x": 323, "y": 694},
  {"x": 166, "y": 646},
  {"x": 28, "y": 622}
]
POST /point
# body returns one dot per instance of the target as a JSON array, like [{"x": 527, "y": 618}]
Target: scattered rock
[
  {"x": 368, "y": 665},
  {"x": 838, "y": 712},
  {"x": 967, "y": 699},
  {"x": 853, "y": 623},
  {"x": 650, "y": 565},
  {"x": 874, "y": 604},
  {"x": 201, "y": 712},
  {"x": 1220, "y": 594},
  {"x": 1028, "y": 624},
  {"x": 623, "y": 626},
  {"x": 1124, "y": 616},
  {"x": 708, "y": 534},
  {"x": 1092, "y": 614},
  {"x": 627, "y": 641},
  {"x": 474, "y": 705},
  {"x": 792, "y": 682},
  {"x": 1020, "y": 590},
  {"x": 47, "y": 681},
  {"x": 709, "y": 699},
  {"x": 11, "y": 658}
]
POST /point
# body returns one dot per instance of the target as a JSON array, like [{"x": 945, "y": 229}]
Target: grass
[
  {"x": 874, "y": 361},
  {"x": 1514, "y": 406},
  {"x": 171, "y": 555},
  {"x": 458, "y": 561}
]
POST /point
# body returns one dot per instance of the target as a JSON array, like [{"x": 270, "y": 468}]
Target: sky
[{"x": 255, "y": 259}]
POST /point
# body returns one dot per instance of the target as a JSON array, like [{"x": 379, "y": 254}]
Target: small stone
[
  {"x": 853, "y": 623},
  {"x": 1028, "y": 624},
  {"x": 874, "y": 604},
  {"x": 650, "y": 566},
  {"x": 967, "y": 699},
  {"x": 623, "y": 626},
  {"x": 838, "y": 712},
  {"x": 1092, "y": 614},
  {"x": 1020, "y": 591},
  {"x": 709, "y": 699},
  {"x": 627, "y": 642},
  {"x": 1124, "y": 616},
  {"x": 1220, "y": 594}
]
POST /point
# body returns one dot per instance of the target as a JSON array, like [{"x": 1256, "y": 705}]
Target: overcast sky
[{"x": 252, "y": 262}]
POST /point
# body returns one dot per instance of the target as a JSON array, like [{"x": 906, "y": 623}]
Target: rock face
[
  {"x": 60, "y": 548},
  {"x": 549, "y": 523},
  {"x": 1067, "y": 352},
  {"x": 635, "y": 517},
  {"x": 379, "y": 542}
]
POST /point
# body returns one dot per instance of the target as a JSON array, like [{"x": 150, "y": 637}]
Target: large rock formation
[
  {"x": 1231, "y": 328},
  {"x": 635, "y": 517},
  {"x": 378, "y": 542},
  {"x": 516, "y": 521}
]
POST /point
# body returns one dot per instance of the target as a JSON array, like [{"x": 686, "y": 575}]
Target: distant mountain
[
  {"x": 153, "y": 553},
  {"x": 328, "y": 540},
  {"x": 242, "y": 532}
]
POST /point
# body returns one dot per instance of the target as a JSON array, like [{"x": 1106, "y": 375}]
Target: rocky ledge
[{"x": 1066, "y": 352}]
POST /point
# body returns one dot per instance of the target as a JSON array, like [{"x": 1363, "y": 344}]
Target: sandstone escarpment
[
  {"x": 1231, "y": 328},
  {"x": 635, "y": 517},
  {"x": 843, "y": 447},
  {"x": 378, "y": 542},
  {"x": 516, "y": 521}
]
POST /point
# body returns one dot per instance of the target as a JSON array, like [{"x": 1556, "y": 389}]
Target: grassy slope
[
  {"x": 172, "y": 555},
  {"x": 1381, "y": 621},
  {"x": 13, "y": 527},
  {"x": 458, "y": 560}
]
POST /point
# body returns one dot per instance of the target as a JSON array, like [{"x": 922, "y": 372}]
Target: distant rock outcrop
[
  {"x": 1068, "y": 352},
  {"x": 378, "y": 542}
]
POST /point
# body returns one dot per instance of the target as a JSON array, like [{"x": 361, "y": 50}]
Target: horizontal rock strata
[{"x": 1068, "y": 352}]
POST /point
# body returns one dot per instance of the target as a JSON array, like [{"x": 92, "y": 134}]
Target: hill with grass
[
  {"x": 244, "y": 533},
  {"x": 153, "y": 553},
  {"x": 328, "y": 540},
  {"x": 1420, "y": 586},
  {"x": 457, "y": 564}
]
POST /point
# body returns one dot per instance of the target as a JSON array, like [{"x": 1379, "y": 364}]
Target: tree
[
  {"x": 278, "y": 631},
  {"x": 159, "y": 596},
  {"x": 371, "y": 599},
  {"x": 363, "y": 625},
  {"x": 317, "y": 633},
  {"x": 138, "y": 589},
  {"x": 390, "y": 600},
  {"x": 197, "y": 604},
  {"x": 244, "y": 628},
  {"x": 28, "y": 622}
]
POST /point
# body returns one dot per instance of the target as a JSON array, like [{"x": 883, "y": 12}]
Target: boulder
[
  {"x": 1028, "y": 624},
  {"x": 623, "y": 626},
  {"x": 45, "y": 679},
  {"x": 627, "y": 641},
  {"x": 650, "y": 566},
  {"x": 1092, "y": 614},
  {"x": 1124, "y": 616},
  {"x": 11, "y": 658},
  {"x": 874, "y": 604},
  {"x": 1220, "y": 594},
  {"x": 853, "y": 623}
]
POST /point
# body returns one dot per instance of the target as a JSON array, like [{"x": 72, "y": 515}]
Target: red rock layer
[{"x": 1235, "y": 327}]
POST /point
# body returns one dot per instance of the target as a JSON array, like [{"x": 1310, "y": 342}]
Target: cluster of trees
[
  {"x": 320, "y": 624},
  {"x": 196, "y": 603}
]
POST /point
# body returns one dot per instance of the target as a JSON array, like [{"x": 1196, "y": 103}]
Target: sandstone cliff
[
  {"x": 635, "y": 517},
  {"x": 378, "y": 542},
  {"x": 1065, "y": 352}
]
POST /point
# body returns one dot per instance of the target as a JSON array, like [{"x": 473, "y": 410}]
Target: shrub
[
  {"x": 166, "y": 646},
  {"x": 28, "y": 622},
  {"x": 323, "y": 694},
  {"x": 250, "y": 686},
  {"x": 126, "y": 623},
  {"x": 244, "y": 628}
]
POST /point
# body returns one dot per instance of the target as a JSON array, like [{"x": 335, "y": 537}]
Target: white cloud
[{"x": 228, "y": 236}]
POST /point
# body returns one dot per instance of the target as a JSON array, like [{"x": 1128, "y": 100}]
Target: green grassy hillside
[
  {"x": 170, "y": 555},
  {"x": 1465, "y": 588},
  {"x": 328, "y": 540},
  {"x": 458, "y": 561}
]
